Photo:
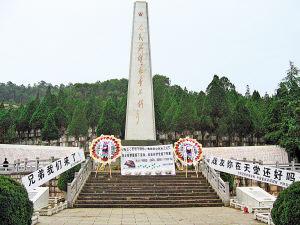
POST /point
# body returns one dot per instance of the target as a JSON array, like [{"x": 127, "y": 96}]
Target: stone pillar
[{"x": 140, "y": 117}]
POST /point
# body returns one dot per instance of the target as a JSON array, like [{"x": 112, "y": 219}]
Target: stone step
[
  {"x": 147, "y": 191},
  {"x": 132, "y": 179},
  {"x": 144, "y": 205},
  {"x": 144, "y": 189},
  {"x": 154, "y": 197},
  {"x": 140, "y": 201},
  {"x": 118, "y": 174},
  {"x": 188, "y": 193},
  {"x": 90, "y": 184},
  {"x": 145, "y": 178}
]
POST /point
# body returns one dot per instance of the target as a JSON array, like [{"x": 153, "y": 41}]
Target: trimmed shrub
[
  {"x": 67, "y": 177},
  {"x": 15, "y": 206},
  {"x": 286, "y": 208}
]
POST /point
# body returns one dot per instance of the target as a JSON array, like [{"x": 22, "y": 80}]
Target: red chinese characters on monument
[{"x": 140, "y": 69}]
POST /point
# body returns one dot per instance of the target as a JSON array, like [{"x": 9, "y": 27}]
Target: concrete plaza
[{"x": 150, "y": 216}]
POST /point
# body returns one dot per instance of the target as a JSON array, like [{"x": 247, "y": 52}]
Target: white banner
[
  {"x": 42, "y": 175},
  {"x": 148, "y": 160},
  {"x": 266, "y": 174}
]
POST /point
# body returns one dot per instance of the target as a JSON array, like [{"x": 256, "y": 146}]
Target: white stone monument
[{"x": 140, "y": 116}]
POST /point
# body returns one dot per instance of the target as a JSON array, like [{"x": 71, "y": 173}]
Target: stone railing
[
  {"x": 80, "y": 178},
  {"x": 221, "y": 187},
  {"x": 290, "y": 166},
  {"x": 26, "y": 166}
]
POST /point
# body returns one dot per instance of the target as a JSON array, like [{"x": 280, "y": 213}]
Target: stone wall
[
  {"x": 208, "y": 140},
  {"x": 52, "y": 184}
]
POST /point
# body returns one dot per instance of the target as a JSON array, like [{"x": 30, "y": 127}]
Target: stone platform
[{"x": 151, "y": 216}]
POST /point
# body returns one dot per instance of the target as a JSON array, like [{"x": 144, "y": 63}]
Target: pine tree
[
  {"x": 50, "y": 130},
  {"x": 243, "y": 122},
  {"x": 39, "y": 116},
  {"x": 60, "y": 118},
  {"x": 108, "y": 123},
  {"x": 93, "y": 112},
  {"x": 217, "y": 102},
  {"x": 247, "y": 94},
  {"x": 79, "y": 123},
  {"x": 122, "y": 104},
  {"x": 169, "y": 115},
  {"x": 50, "y": 100}
]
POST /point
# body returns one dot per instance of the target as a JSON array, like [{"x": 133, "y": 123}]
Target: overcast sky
[{"x": 62, "y": 41}]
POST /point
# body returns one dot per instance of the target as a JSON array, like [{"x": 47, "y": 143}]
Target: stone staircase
[{"x": 147, "y": 191}]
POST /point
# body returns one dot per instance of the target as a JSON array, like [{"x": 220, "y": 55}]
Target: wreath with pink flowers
[
  {"x": 105, "y": 149},
  {"x": 188, "y": 151}
]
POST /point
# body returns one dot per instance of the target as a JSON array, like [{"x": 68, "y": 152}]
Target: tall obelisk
[{"x": 140, "y": 116}]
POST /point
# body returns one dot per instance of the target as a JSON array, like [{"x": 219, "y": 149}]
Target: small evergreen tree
[
  {"x": 79, "y": 123},
  {"x": 108, "y": 121},
  {"x": 60, "y": 118},
  {"x": 50, "y": 130}
]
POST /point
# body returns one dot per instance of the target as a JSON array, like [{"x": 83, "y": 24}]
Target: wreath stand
[
  {"x": 196, "y": 165},
  {"x": 101, "y": 166},
  {"x": 181, "y": 153}
]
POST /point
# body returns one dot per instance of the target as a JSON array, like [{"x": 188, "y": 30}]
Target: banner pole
[
  {"x": 97, "y": 169},
  {"x": 109, "y": 170},
  {"x": 186, "y": 167}
]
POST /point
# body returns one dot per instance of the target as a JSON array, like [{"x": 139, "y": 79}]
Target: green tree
[
  {"x": 122, "y": 104},
  {"x": 60, "y": 118},
  {"x": 93, "y": 112},
  {"x": 108, "y": 123},
  {"x": 185, "y": 115},
  {"x": 50, "y": 99},
  {"x": 161, "y": 85},
  {"x": 50, "y": 130},
  {"x": 244, "y": 124},
  {"x": 203, "y": 121},
  {"x": 217, "y": 102},
  {"x": 169, "y": 116},
  {"x": 79, "y": 123},
  {"x": 39, "y": 116},
  {"x": 6, "y": 122},
  {"x": 24, "y": 116},
  {"x": 281, "y": 122}
]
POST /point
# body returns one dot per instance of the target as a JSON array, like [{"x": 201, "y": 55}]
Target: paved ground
[{"x": 150, "y": 216}]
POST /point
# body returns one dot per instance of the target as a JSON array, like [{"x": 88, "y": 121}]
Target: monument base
[{"x": 140, "y": 142}]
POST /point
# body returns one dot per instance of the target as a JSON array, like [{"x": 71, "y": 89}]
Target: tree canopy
[{"x": 218, "y": 111}]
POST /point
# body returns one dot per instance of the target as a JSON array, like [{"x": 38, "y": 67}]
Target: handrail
[
  {"x": 285, "y": 166},
  {"x": 79, "y": 180},
  {"x": 221, "y": 187}
]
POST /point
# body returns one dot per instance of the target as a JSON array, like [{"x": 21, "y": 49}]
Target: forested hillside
[{"x": 101, "y": 106}]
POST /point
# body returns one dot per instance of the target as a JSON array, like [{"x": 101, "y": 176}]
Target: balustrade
[
  {"x": 221, "y": 187},
  {"x": 79, "y": 180}
]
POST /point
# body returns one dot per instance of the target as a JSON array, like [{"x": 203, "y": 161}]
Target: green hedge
[
  {"x": 67, "y": 177},
  {"x": 15, "y": 206},
  {"x": 286, "y": 209}
]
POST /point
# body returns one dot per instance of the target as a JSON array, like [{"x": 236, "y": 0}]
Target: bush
[
  {"x": 67, "y": 177},
  {"x": 228, "y": 178},
  {"x": 15, "y": 206},
  {"x": 286, "y": 208}
]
